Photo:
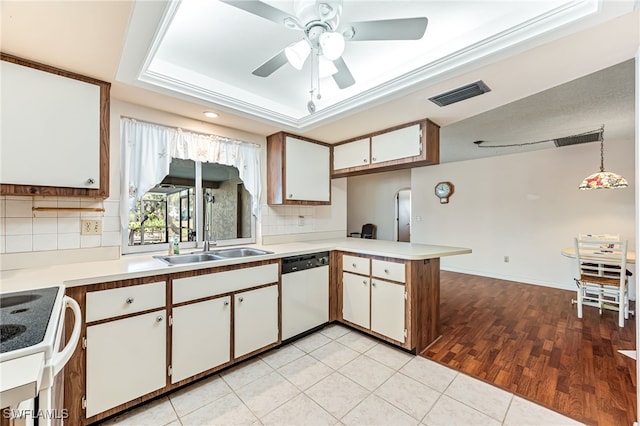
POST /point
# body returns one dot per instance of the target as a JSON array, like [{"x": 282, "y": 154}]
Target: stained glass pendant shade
[{"x": 603, "y": 179}]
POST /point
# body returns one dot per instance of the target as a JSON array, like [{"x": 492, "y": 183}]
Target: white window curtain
[{"x": 148, "y": 149}]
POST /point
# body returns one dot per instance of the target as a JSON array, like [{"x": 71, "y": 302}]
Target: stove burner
[
  {"x": 5, "y": 302},
  {"x": 9, "y": 331}
]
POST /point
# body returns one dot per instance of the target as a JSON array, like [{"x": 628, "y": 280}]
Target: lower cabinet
[
  {"x": 255, "y": 321},
  {"x": 387, "y": 309},
  {"x": 125, "y": 359},
  {"x": 355, "y": 299},
  {"x": 200, "y": 337}
]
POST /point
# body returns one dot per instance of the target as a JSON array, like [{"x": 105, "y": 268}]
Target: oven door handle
[{"x": 60, "y": 358}]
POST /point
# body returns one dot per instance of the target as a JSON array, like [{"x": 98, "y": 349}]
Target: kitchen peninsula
[{"x": 137, "y": 311}]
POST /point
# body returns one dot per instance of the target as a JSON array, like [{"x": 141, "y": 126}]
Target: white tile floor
[{"x": 339, "y": 376}]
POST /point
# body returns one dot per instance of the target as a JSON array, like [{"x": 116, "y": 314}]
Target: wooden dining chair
[{"x": 601, "y": 276}]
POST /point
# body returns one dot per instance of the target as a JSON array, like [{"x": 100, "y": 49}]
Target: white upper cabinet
[
  {"x": 397, "y": 144},
  {"x": 307, "y": 171},
  {"x": 414, "y": 144},
  {"x": 54, "y": 131},
  {"x": 298, "y": 171},
  {"x": 351, "y": 154}
]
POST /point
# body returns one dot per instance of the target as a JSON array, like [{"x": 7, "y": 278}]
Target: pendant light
[{"x": 602, "y": 179}]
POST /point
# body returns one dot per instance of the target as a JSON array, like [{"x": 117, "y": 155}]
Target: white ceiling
[{"x": 114, "y": 40}]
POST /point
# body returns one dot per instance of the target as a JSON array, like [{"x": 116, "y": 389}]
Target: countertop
[{"x": 141, "y": 265}]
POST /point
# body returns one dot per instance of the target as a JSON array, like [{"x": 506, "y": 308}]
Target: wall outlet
[
  {"x": 91, "y": 227},
  {"x": 300, "y": 220},
  {"x": 506, "y": 259}
]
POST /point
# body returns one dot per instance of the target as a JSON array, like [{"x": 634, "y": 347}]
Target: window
[
  {"x": 190, "y": 185},
  {"x": 170, "y": 208}
]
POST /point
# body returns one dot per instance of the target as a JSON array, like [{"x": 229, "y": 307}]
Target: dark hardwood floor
[{"x": 528, "y": 340}]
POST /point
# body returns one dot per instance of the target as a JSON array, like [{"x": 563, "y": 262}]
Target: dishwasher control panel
[{"x": 304, "y": 261}]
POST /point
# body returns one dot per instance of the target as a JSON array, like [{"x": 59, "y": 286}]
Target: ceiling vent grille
[
  {"x": 460, "y": 94},
  {"x": 578, "y": 139}
]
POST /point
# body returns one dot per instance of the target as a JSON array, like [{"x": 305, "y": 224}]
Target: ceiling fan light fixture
[
  {"x": 297, "y": 53},
  {"x": 332, "y": 45}
]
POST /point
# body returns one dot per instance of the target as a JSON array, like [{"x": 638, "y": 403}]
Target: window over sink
[{"x": 188, "y": 185}]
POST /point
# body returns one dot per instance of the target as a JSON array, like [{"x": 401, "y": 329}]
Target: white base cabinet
[
  {"x": 255, "y": 319},
  {"x": 355, "y": 299},
  {"x": 387, "y": 309},
  {"x": 201, "y": 337},
  {"x": 125, "y": 359}
]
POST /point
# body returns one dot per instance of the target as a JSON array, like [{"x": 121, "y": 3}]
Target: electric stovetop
[{"x": 24, "y": 317}]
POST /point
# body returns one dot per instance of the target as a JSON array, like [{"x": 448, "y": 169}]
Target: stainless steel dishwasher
[{"x": 305, "y": 293}]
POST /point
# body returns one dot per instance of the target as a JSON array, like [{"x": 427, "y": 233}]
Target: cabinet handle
[
  {"x": 226, "y": 303},
  {"x": 129, "y": 300},
  {"x": 354, "y": 265},
  {"x": 241, "y": 299},
  {"x": 364, "y": 161},
  {"x": 364, "y": 282},
  {"x": 373, "y": 284},
  {"x": 91, "y": 181},
  {"x": 159, "y": 319},
  {"x": 386, "y": 271},
  {"x": 373, "y": 159},
  {"x": 290, "y": 196}
]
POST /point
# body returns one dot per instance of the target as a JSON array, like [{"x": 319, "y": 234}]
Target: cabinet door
[
  {"x": 201, "y": 337},
  {"x": 355, "y": 299},
  {"x": 352, "y": 154},
  {"x": 255, "y": 319},
  {"x": 387, "y": 309},
  {"x": 401, "y": 143},
  {"x": 305, "y": 300},
  {"x": 126, "y": 359},
  {"x": 307, "y": 174}
]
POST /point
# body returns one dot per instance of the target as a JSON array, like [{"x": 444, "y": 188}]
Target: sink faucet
[{"x": 206, "y": 246}]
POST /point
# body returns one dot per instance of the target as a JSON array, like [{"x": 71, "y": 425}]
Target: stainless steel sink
[
  {"x": 181, "y": 259},
  {"x": 221, "y": 254},
  {"x": 240, "y": 252}
]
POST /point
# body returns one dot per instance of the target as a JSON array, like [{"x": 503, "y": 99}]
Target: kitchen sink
[
  {"x": 221, "y": 254},
  {"x": 240, "y": 252}
]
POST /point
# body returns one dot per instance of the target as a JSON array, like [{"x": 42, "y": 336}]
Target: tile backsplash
[
  {"x": 24, "y": 230},
  {"x": 278, "y": 220}
]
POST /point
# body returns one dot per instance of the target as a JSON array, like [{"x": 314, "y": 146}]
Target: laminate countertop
[{"x": 142, "y": 265}]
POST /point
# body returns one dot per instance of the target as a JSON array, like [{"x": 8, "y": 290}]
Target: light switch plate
[{"x": 91, "y": 227}]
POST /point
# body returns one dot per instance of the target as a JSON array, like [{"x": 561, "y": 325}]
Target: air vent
[
  {"x": 578, "y": 139},
  {"x": 460, "y": 94}
]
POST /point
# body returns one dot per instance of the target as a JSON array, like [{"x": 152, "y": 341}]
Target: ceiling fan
[{"x": 319, "y": 21}]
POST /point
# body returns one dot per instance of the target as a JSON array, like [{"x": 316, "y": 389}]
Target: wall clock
[{"x": 443, "y": 191}]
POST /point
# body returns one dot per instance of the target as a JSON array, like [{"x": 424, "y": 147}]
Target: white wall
[
  {"x": 525, "y": 206},
  {"x": 371, "y": 199}
]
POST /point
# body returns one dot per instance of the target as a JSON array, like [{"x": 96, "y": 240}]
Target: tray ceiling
[{"x": 206, "y": 50}]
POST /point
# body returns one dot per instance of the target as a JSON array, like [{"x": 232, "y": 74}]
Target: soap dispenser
[{"x": 175, "y": 247}]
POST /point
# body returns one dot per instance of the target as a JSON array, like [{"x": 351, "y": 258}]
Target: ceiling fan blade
[
  {"x": 387, "y": 29},
  {"x": 343, "y": 77},
  {"x": 265, "y": 11},
  {"x": 274, "y": 63}
]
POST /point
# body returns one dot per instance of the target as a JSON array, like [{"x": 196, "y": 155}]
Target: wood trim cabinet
[
  {"x": 409, "y": 145},
  {"x": 57, "y": 134},
  {"x": 393, "y": 299},
  {"x": 144, "y": 337},
  {"x": 298, "y": 171}
]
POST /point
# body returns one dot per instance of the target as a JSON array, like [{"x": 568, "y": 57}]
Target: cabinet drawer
[
  {"x": 359, "y": 265},
  {"x": 392, "y": 271},
  {"x": 200, "y": 286},
  {"x": 125, "y": 300}
]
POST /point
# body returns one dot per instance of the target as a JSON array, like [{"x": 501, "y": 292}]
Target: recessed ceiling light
[{"x": 210, "y": 114}]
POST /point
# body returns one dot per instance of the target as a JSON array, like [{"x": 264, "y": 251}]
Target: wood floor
[{"x": 528, "y": 340}]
